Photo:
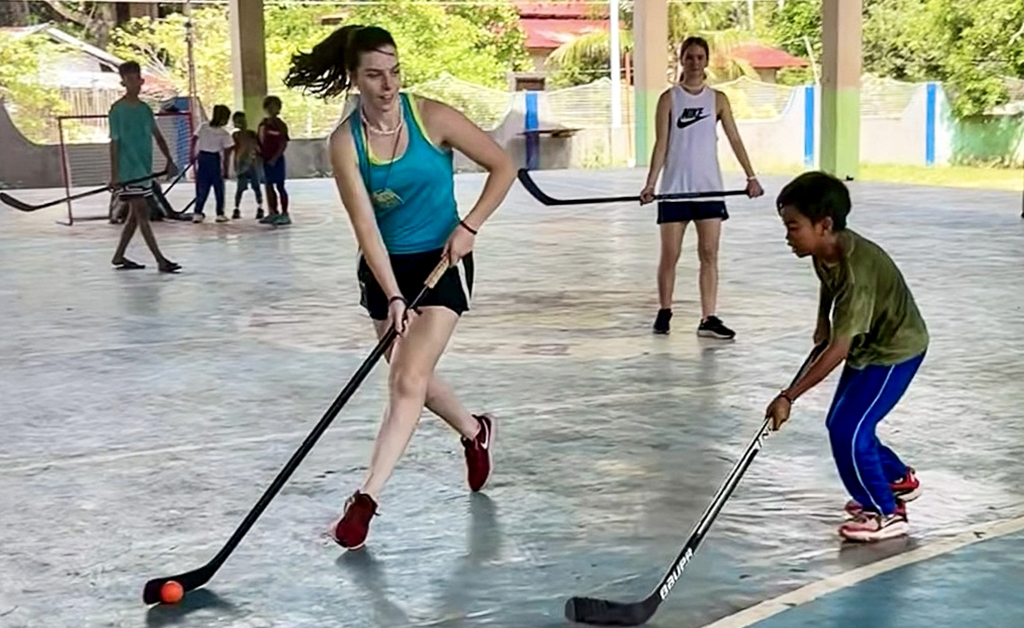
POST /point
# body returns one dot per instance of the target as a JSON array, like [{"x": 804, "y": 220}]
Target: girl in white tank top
[{"x": 686, "y": 146}]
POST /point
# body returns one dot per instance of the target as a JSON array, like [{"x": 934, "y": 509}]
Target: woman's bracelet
[
  {"x": 397, "y": 298},
  {"x": 467, "y": 227}
]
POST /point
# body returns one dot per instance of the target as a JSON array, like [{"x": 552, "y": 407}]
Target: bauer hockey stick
[{"x": 608, "y": 613}]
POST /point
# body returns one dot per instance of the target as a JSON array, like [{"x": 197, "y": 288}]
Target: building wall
[
  {"x": 22, "y": 163},
  {"x": 898, "y": 131}
]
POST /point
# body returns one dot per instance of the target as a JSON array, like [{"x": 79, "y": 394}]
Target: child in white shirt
[{"x": 212, "y": 150}]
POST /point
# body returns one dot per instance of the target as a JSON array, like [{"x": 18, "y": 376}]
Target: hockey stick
[
  {"x": 537, "y": 193},
  {"x": 196, "y": 578},
  {"x": 25, "y": 207},
  {"x": 608, "y": 613}
]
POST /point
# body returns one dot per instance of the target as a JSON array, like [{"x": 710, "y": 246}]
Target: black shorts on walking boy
[
  {"x": 685, "y": 211},
  {"x": 453, "y": 291}
]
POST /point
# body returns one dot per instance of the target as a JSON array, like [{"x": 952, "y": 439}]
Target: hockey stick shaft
[
  {"x": 535, "y": 191},
  {"x": 27, "y": 207},
  {"x": 194, "y": 579},
  {"x": 724, "y": 492},
  {"x": 609, "y": 613}
]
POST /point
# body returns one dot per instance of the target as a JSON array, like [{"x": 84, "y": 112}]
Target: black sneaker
[
  {"x": 712, "y": 327},
  {"x": 259, "y": 213},
  {"x": 235, "y": 215},
  {"x": 661, "y": 322}
]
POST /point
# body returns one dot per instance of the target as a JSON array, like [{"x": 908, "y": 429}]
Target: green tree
[
  {"x": 980, "y": 43},
  {"x": 586, "y": 58},
  {"x": 969, "y": 46},
  {"x": 433, "y": 39},
  {"x": 31, "y": 104},
  {"x": 794, "y": 25}
]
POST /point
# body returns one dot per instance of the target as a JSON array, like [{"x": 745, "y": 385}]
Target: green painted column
[
  {"x": 248, "y": 58},
  {"x": 650, "y": 34},
  {"x": 840, "y": 87}
]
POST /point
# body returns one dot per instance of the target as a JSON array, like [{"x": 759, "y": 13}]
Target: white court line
[{"x": 810, "y": 592}]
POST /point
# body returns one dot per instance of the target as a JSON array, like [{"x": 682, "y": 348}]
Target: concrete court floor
[{"x": 143, "y": 415}]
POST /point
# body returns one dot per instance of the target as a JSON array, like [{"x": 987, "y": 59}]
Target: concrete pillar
[
  {"x": 248, "y": 58},
  {"x": 650, "y": 34},
  {"x": 840, "y": 82}
]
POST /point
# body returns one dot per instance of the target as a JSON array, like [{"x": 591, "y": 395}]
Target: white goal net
[{"x": 85, "y": 156}]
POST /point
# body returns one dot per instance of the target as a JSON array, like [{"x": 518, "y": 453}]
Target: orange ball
[{"x": 171, "y": 592}]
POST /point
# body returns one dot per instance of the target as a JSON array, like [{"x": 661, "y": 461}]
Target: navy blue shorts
[
  {"x": 274, "y": 174},
  {"x": 685, "y": 211}
]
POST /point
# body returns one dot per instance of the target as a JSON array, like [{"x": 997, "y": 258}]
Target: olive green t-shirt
[{"x": 871, "y": 304}]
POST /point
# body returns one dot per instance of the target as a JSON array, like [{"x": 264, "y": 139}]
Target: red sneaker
[
  {"x": 908, "y": 487},
  {"x": 905, "y": 489},
  {"x": 478, "y": 453},
  {"x": 350, "y": 532}
]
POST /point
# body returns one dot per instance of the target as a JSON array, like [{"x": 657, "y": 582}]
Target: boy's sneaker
[
  {"x": 905, "y": 489},
  {"x": 259, "y": 213},
  {"x": 478, "y": 453},
  {"x": 712, "y": 327},
  {"x": 661, "y": 325},
  {"x": 350, "y": 532},
  {"x": 235, "y": 215},
  {"x": 198, "y": 217},
  {"x": 269, "y": 219},
  {"x": 871, "y": 527},
  {"x": 283, "y": 219},
  {"x": 908, "y": 487},
  {"x": 222, "y": 218}
]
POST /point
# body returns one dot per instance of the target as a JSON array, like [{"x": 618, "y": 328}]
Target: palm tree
[{"x": 585, "y": 58}]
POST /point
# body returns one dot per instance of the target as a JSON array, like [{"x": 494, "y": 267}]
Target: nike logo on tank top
[{"x": 691, "y": 162}]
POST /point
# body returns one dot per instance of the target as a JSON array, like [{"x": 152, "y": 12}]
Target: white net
[
  {"x": 884, "y": 97},
  {"x": 85, "y": 146},
  {"x": 85, "y": 155},
  {"x": 485, "y": 106},
  {"x": 756, "y": 100}
]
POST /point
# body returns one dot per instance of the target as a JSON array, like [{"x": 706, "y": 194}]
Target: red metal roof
[
  {"x": 561, "y": 9},
  {"x": 760, "y": 56},
  {"x": 552, "y": 33}
]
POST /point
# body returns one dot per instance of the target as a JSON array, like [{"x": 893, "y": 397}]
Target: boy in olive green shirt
[{"x": 876, "y": 328}]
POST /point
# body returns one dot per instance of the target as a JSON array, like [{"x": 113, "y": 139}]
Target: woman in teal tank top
[{"x": 392, "y": 160}]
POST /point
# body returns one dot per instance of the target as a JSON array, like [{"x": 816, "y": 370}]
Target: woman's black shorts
[{"x": 453, "y": 291}]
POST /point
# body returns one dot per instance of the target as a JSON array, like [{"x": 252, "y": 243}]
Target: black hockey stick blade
[
  {"x": 192, "y": 580},
  {"x": 608, "y": 613},
  {"x": 26, "y": 207},
  {"x": 535, "y": 191},
  {"x": 189, "y": 581},
  {"x": 588, "y": 610},
  {"x": 7, "y": 199}
]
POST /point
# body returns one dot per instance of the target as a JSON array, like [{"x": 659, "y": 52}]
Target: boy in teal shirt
[
  {"x": 132, "y": 132},
  {"x": 876, "y": 327}
]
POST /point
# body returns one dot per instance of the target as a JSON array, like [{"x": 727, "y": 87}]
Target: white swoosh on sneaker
[{"x": 487, "y": 434}]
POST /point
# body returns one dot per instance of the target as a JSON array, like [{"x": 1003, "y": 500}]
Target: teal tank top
[{"x": 413, "y": 196}]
